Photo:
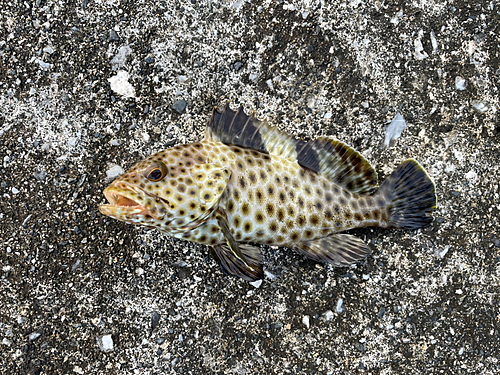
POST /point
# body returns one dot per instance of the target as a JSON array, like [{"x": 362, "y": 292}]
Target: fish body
[{"x": 247, "y": 182}]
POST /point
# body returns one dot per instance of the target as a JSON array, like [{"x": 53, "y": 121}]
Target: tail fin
[{"x": 410, "y": 195}]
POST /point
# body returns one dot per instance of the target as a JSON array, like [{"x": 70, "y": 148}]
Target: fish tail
[{"x": 410, "y": 196}]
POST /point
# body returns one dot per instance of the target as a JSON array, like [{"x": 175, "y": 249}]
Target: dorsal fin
[{"x": 333, "y": 159}]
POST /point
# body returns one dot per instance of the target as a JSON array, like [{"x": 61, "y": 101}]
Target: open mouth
[{"x": 121, "y": 202}]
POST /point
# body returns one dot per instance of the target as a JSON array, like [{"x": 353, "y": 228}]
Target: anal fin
[{"x": 337, "y": 249}]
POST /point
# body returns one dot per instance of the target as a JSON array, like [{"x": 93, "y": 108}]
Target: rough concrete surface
[{"x": 90, "y": 87}]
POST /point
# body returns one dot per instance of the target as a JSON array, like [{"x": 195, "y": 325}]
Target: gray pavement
[{"x": 88, "y": 88}]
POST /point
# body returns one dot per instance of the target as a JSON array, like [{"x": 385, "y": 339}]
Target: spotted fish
[{"x": 247, "y": 182}]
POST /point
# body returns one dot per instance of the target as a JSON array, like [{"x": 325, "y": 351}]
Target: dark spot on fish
[
  {"x": 286, "y": 178},
  {"x": 328, "y": 214},
  {"x": 367, "y": 215},
  {"x": 342, "y": 201},
  {"x": 270, "y": 191},
  {"x": 249, "y": 161},
  {"x": 189, "y": 163},
  {"x": 347, "y": 214},
  {"x": 182, "y": 212},
  {"x": 280, "y": 239},
  {"x": 200, "y": 158},
  {"x": 252, "y": 177},
  {"x": 203, "y": 238},
  {"x": 328, "y": 198},
  {"x": 170, "y": 215},
  {"x": 350, "y": 185},
  {"x": 245, "y": 209},
  {"x": 240, "y": 166},
  {"x": 236, "y": 221},
  {"x": 281, "y": 214},
  {"x": 362, "y": 203},
  {"x": 308, "y": 190},
  {"x": 180, "y": 199},
  {"x": 318, "y": 205},
  {"x": 230, "y": 207},
  {"x": 181, "y": 188},
  {"x": 259, "y": 217},
  {"x": 254, "y": 153},
  {"x": 302, "y": 174},
  {"x": 336, "y": 190},
  {"x": 263, "y": 175},
  {"x": 294, "y": 236},
  {"x": 295, "y": 184},
  {"x": 270, "y": 209},
  {"x": 179, "y": 221},
  {"x": 260, "y": 163},
  {"x": 358, "y": 217},
  {"x": 300, "y": 201},
  {"x": 197, "y": 145},
  {"x": 237, "y": 150},
  {"x": 282, "y": 197},
  {"x": 207, "y": 196},
  {"x": 291, "y": 211},
  {"x": 162, "y": 210},
  {"x": 273, "y": 227},
  {"x": 312, "y": 177},
  {"x": 238, "y": 236},
  {"x": 142, "y": 185},
  {"x": 301, "y": 220},
  {"x": 380, "y": 202},
  {"x": 186, "y": 234},
  {"x": 291, "y": 194},
  {"x": 214, "y": 229},
  {"x": 354, "y": 205},
  {"x": 290, "y": 224},
  {"x": 247, "y": 227},
  {"x": 213, "y": 241},
  {"x": 242, "y": 182},
  {"x": 308, "y": 234},
  {"x": 314, "y": 220},
  {"x": 336, "y": 208},
  {"x": 337, "y": 224},
  {"x": 218, "y": 175},
  {"x": 369, "y": 201},
  {"x": 278, "y": 180},
  {"x": 376, "y": 214},
  {"x": 266, "y": 157}
]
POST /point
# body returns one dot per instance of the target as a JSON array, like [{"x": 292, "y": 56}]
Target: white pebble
[
  {"x": 120, "y": 84},
  {"x": 305, "y": 320},
  {"x": 105, "y": 343},
  {"x": 15, "y": 191},
  {"x": 339, "y": 308},
  {"x": 114, "y": 171},
  {"x": 328, "y": 315},
  {"x": 256, "y": 283},
  {"x": 460, "y": 83},
  {"x": 481, "y": 107},
  {"x": 394, "y": 130}
]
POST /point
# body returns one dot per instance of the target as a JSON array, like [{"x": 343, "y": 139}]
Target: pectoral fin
[
  {"x": 338, "y": 249},
  {"x": 237, "y": 259}
]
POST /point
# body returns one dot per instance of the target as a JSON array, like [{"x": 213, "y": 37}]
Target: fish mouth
[{"x": 121, "y": 202}]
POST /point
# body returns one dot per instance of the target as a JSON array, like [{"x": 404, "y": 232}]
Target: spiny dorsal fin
[{"x": 333, "y": 159}]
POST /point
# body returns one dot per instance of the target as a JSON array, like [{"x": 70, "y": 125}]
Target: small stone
[
  {"x": 155, "y": 320},
  {"x": 160, "y": 340},
  {"x": 34, "y": 335},
  {"x": 15, "y": 191},
  {"x": 328, "y": 315},
  {"x": 105, "y": 343},
  {"x": 252, "y": 77},
  {"x": 481, "y": 107},
  {"x": 338, "y": 308},
  {"x": 179, "y": 106},
  {"x": 460, "y": 83},
  {"x": 256, "y": 284},
  {"x": 381, "y": 312},
  {"x": 113, "y": 36},
  {"x": 182, "y": 79},
  {"x": 394, "y": 130},
  {"x": 237, "y": 65},
  {"x": 40, "y": 175},
  {"x": 496, "y": 242},
  {"x": 48, "y": 50},
  {"x": 120, "y": 84},
  {"x": 150, "y": 60},
  {"x": 114, "y": 171},
  {"x": 276, "y": 325}
]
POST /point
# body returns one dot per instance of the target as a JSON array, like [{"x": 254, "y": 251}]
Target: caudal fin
[{"x": 410, "y": 195}]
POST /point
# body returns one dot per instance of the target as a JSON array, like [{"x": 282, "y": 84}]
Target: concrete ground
[{"x": 90, "y": 87}]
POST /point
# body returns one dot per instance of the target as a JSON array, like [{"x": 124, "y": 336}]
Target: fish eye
[{"x": 156, "y": 172}]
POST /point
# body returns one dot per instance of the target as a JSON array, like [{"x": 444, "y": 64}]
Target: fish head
[{"x": 169, "y": 196}]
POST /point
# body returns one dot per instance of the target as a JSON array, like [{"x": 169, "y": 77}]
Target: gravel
[{"x": 83, "y": 301}]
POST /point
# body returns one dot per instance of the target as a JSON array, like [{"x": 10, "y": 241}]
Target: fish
[{"x": 247, "y": 183}]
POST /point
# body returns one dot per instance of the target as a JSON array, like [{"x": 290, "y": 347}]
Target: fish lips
[{"x": 122, "y": 203}]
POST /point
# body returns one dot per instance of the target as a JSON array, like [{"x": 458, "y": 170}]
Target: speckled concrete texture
[{"x": 90, "y": 87}]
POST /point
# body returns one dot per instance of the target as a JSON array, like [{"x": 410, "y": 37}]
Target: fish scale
[{"x": 247, "y": 182}]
